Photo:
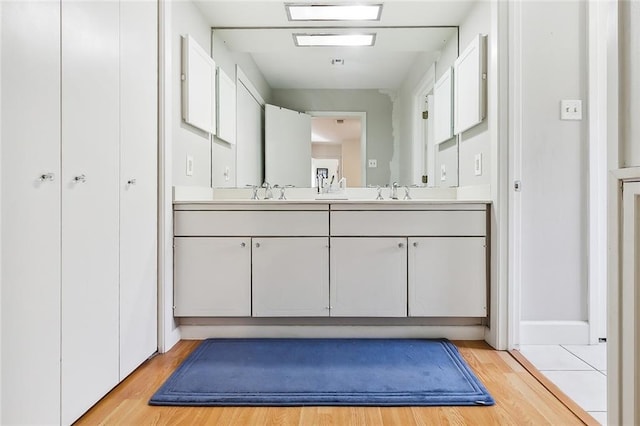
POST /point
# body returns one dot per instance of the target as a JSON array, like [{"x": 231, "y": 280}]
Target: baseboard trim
[
  {"x": 585, "y": 417},
  {"x": 423, "y": 332},
  {"x": 554, "y": 333}
]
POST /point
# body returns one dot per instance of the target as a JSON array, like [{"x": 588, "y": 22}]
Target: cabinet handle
[
  {"x": 415, "y": 244},
  {"x": 131, "y": 182},
  {"x": 47, "y": 176},
  {"x": 257, "y": 245},
  {"x": 80, "y": 179},
  {"x": 400, "y": 245},
  {"x": 243, "y": 244}
]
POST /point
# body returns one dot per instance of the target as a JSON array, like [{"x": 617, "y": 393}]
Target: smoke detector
[{"x": 337, "y": 61}]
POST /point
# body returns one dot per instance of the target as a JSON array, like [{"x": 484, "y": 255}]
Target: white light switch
[
  {"x": 227, "y": 174},
  {"x": 189, "y": 170},
  {"x": 373, "y": 163},
  {"x": 443, "y": 172},
  {"x": 477, "y": 164},
  {"x": 570, "y": 110}
]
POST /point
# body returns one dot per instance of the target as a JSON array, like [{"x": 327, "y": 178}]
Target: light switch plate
[
  {"x": 189, "y": 170},
  {"x": 477, "y": 164},
  {"x": 373, "y": 163},
  {"x": 443, "y": 172},
  {"x": 570, "y": 109}
]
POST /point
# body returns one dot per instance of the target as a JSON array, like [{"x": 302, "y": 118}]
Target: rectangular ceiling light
[
  {"x": 333, "y": 12},
  {"x": 333, "y": 40}
]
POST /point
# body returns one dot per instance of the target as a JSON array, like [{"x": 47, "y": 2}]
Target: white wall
[
  {"x": 554, "y": 162},
  {"x": 378, "y": 107},
  {"x": 224, "y": 154},
  {"x": 630, "y": 83},
  {"x": 186, "y": 139},
  {"x": 477, "y": 139}
]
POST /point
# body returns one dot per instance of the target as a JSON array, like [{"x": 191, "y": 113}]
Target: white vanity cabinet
[
  {"x": 430, "y": 258},
  {"x": 447, "y": 277},
  {"x": 290, "y": 277},
  {"x": 251, "y": 259},
  {"x": 331, "y": 259},
  {"x": 214, "y": 277},
  {"x": 368, "y": 277}
]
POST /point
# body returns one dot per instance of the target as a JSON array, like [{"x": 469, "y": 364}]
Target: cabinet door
[
  {"x": 368, "y": 277},
  {"x": 90, "y": 230},
  {"x": 30, "y": 135},
  {"x": 290, "y": 277},
  {"x": 212, "y": 277},
  {"x": 447, "y": 277},
  {"x": 138, "y": 183}
]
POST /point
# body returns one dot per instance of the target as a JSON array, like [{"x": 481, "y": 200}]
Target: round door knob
[
  {"x": 80, "y": 179},
  {"x": 400, "y": 245},
  {"x": 243, "y": 244},
  {"x": 415, "y": 244},
  {"x": 257, "y": 245},
  {"x": 131, "y": 182}
]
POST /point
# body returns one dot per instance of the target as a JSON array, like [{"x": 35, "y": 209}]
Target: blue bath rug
[{"x": 334, "y": 372}]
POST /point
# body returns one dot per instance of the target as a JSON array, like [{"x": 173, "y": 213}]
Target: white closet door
[
  {"x": 30, "y": 212},
  {"x": 138, "y": 183},
  {"x": 90, "y": 153}
]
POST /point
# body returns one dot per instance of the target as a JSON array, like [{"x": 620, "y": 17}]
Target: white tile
[
  {"x": 594, "y": 355},
  {"x": 600, "y": 416},
  {"x": 587, "y": 388},
  {"x": 552, "y": 357}
]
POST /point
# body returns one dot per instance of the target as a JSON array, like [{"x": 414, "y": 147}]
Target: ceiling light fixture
[
  {"x": 333, "y": 12},
  {"x": 333, "y": 40}
]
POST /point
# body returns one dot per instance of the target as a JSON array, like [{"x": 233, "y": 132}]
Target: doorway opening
[{"x": 338, "y": 146}]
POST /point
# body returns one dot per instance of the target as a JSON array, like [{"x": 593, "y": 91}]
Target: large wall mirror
[{"x": 364, "y": 113}]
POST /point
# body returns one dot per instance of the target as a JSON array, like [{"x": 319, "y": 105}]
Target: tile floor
[{"x": 580, "y": 371}]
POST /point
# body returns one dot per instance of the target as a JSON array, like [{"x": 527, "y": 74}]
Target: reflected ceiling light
[
  {"x": 333, "y": 40},
  {"x": 333, "y": 12}
]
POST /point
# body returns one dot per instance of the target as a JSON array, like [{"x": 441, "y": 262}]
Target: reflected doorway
[{"x": 338, "y": 144}]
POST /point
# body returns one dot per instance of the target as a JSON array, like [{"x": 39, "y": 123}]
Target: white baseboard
[
  {"x": 554, "y": 333},
  {"x": 197, "y": 332}
]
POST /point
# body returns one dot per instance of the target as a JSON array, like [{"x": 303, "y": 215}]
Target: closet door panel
[
  {"x": 30, "y": 135},
  {"x": 90, "y": 231},
  {"x": 138, "y": 183}
]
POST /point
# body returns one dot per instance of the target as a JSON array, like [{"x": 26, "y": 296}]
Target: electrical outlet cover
[
  {"x": 571, "y": 109},
  {"x": 373, "y": 163},
  {"x": 189, "y": 170},
  {"x": 477, "y": 164},
  {"x": 443, "y": 172}
]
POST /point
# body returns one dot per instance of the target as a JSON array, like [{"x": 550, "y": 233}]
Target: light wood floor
[{"x": 520, "y": 400}]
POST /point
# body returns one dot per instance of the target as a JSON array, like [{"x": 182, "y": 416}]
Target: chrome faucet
[
  {"x": 254, "y": 191},
  {"x": 379, "y": 189},
  {"x": 267, "y": 192},
  {"x": 407, "y": 196},
  {"x": 394, "y": 191}
]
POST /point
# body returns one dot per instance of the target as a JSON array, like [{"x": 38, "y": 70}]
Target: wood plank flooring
[{"x": 520, "y": 400}]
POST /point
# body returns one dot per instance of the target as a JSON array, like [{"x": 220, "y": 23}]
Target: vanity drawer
[
  {"x": 251, "y": 223},
  {"x": 409, "y": 223}
]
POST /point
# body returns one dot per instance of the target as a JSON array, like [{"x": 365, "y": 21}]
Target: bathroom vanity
[{"x": 331, "y": 258}]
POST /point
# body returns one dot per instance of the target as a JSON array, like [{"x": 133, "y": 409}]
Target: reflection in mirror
[{"x": 389, "y": 84}]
